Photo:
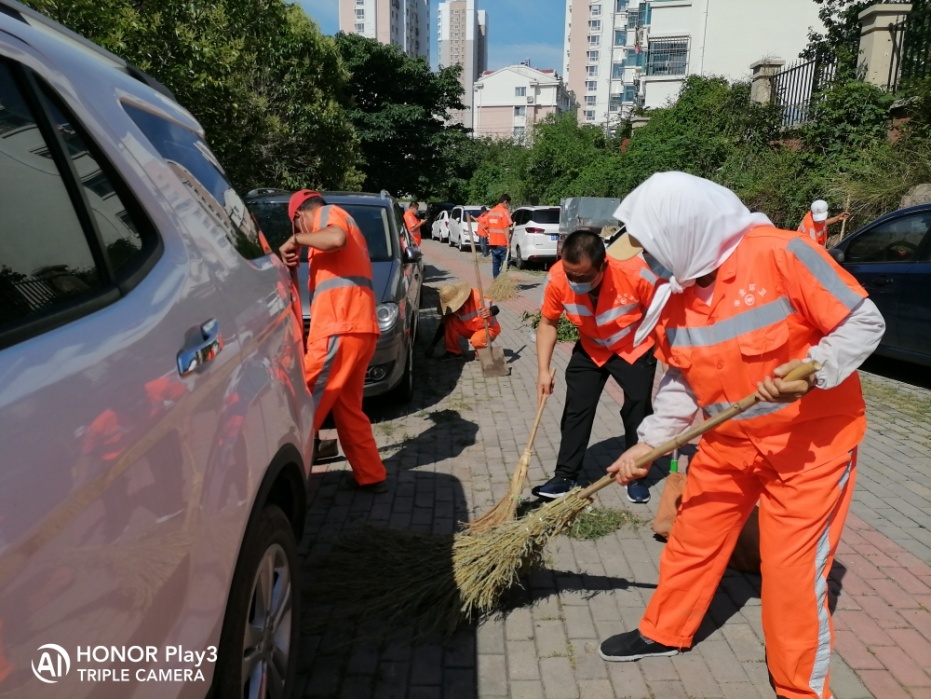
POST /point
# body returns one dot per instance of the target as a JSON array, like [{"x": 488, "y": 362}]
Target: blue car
[{"x": 891, "y": 258}]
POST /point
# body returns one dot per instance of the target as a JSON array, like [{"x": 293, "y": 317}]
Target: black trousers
[{"x": 585, "y": 381}]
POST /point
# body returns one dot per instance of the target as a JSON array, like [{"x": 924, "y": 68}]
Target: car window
[
  {"x": 197, "y": 167},
  {"x": 897, "y": 240},
  {"x": 373, "y": 222},
  {"x": 46, "y": 259},
  {"x": 457, "y": 214},
  {"x": 544, "y": 216},
  {"x": 474, "y": 213}
]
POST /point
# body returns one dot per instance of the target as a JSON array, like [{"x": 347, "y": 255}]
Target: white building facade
[
  {"x": 507, "y": 102},
  {"x": 401, "y": 23},
  {"x": 620, "y": 54},
  {"x": 463, "y": 40}
]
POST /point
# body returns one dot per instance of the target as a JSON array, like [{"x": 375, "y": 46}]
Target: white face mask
[{"x": 577, "y": 288}]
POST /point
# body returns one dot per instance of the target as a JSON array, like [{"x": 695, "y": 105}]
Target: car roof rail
[{"x": 13, "y": 9}]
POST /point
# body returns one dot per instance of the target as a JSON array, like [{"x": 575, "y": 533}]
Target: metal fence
[
  {"x": 795, "y": 88},
  {"x": 916, "y": 42}
]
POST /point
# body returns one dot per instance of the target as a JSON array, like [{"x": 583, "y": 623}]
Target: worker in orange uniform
[
  {"x": 745, "y": 304},
  {"x": 464, "y": 314},
  {"x": 495, "y": 224},
  {"x": 605, "y": 299},
  {"x": 815, "y": 223},
  {"x": 413, "y": 223},
  {"x": 343, "y": 327}
]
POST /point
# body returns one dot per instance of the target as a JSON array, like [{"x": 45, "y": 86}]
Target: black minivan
[{"x": 397, "y": 277}]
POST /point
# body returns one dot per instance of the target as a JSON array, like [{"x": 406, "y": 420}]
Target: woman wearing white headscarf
[{"x": 745, "y": 304}]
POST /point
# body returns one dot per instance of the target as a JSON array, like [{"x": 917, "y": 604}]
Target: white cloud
[
  {"x": 541, "y": 55},
  {"x": 325, "y": 13}
]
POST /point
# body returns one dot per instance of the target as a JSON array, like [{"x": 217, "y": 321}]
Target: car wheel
[
  {"x": 519, "y": 261},
  {"x": 258, "y": 645},
  {"x": 404, "y": 391}
]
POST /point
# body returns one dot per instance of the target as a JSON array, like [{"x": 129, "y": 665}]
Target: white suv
[
  {"x": 155, "y": 424},
  {"x": 536, "y": 233}
]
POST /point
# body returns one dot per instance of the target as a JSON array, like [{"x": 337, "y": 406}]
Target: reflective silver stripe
[
  {"x": 546, "y": 284},
  {"x": 822, "y": 270},
  {"x": 324, "y": 377},
  {"x": 342, "y": 283},
  {"x": 750, "y": 413},
  {"x": 324, "y": 215},
  {"x": 649, "y": 276},
  {"x": 819, "y": 671},
  {"x": 614, "y": 314},
  {"x": 467, "y": 316},
  {"x": 735, "y": 326},
  {"x": 615, "y": 338},
  {"x": 578, "y": 309}
]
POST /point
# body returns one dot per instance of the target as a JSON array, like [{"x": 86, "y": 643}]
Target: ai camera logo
[{"x": 54, "y": 663}]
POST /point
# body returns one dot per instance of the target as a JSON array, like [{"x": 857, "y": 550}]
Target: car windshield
[
  {"x": 545, "y": 216},
  {"x": 474, "y": 213},
  {"x": 372, "y": 221}
]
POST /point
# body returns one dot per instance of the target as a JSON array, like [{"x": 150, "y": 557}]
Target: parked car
[
  {"x": 891, "y": 258},
  {"x": 434, "y": 209},
  {"x": 156, "y": 429},
  {"x": 536, "y": 232},
  {"x": 461, "y": 232},
  {"x": 440, "y": 228},
  {"x": 397, "y": 271}
]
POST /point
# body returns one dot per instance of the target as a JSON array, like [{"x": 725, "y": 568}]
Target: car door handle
[
  {"x": 190, "y": 359},
  {"x": 883, "y": 281}
]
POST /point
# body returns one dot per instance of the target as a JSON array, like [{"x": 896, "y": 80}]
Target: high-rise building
[
  {"x": 402, "y": 23},
  {"x": 620, "y": 54},
  {"x": 463, "y": 40}
]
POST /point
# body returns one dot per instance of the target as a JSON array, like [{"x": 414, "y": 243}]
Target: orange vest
[
  {"x": 340, "y": 282},
  {"x": 411, "y": 221},
  {"x": 623, "y": 296},
  {"x": 468, "y": 314},
  {"x": 818, "y": 232},
  {"x": 773, "y": 299},
  {"x": 497, "y": 222}
]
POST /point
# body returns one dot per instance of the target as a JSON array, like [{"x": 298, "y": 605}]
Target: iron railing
[
  {"x": 795, "y": 88},
  {"x": 915, "y": 60}
]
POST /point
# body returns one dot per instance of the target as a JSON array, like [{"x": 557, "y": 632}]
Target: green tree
[{"x": 400, "y": 110}]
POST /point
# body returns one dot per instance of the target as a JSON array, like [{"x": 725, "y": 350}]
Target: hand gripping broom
[{"x": 506, "y": 507}]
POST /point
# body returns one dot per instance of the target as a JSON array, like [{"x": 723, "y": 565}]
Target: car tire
[
  {"x": 519, "y": 261},
  {"x": 255, "y": 639},
  {"x": 404, "y": 391}
]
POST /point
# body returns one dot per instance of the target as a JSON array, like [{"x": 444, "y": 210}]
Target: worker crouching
[{"x": 464, "y": 314}]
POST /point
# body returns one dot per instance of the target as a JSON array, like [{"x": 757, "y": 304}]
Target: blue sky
[{"x": 518, "y": 29}]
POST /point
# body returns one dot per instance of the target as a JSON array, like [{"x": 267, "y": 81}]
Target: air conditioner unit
[{"x": 530, "y": 100}]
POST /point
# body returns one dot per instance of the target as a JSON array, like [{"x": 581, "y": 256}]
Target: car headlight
[{"x": 387, "y": 315}]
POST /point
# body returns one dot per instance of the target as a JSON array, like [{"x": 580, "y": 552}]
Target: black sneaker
[
  {"x": 446, "y": 356},
  {"x": 325, "y": 449},
  {"x": 377, "y": 488},
  {"x": 554, "y": 488},
  {"x": 632, "y": 646},
  {"x": 638, "y": 492}
]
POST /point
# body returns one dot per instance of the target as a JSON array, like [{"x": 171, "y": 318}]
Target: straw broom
[
  {"x": 439, "y": 582},
  {"x": 506, "y": 507}
]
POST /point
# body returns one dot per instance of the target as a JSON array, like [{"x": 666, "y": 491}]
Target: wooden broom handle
[
  {"x": 536, "y": 420},
  {"x": 800, "y": 372},
  {"x": 478, "y": 277}
]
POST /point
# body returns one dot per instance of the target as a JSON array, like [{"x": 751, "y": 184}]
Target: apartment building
[
  {"x": 623, "y": 53},
  {"x": 402, "y": 23},
  {"x": 463, "y": 40},
  {"x": 507, "y": 102}
]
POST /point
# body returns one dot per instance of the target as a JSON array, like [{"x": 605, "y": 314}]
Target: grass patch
[
  {"x": 565, "y": 332},
  {"x": 597, "y": 522}
]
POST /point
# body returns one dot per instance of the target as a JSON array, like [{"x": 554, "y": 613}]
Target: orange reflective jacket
[
  {"x": 818, "y": 232},
  {"x": 623, "y": 297},
  {"x": 468, "y": 314},
  {"x": 411, "y": 221},
  {"x": 775, "y": 297},
  {"x": 340, "y": 282},
  {"x": 497, "y": 223}
]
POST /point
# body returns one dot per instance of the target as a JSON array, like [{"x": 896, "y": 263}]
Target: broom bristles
[
  {"x": 503, "y": 288},
  {"x": 505, "y": 509}
]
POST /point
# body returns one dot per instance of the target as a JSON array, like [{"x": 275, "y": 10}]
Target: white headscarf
[{"x": 690, "y": 225}]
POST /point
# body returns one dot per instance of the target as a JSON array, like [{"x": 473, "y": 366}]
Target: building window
[
  {"x": 591, "y": 85},
  {"x": 620, "y": 5},
  {"x": 591, "y": 71},
  {"x": 592, "y": 56},
  {"x": 520, "y": 91},
  {"x": 360, "y": 14},
  {"x": 520, "y": 111},
  {"x": 614, "y": 102},
  {"x": 589, "y": 115},
  {"x": 594, "y": 40},
  {"x": 620, "y": 37},
  {"x": 519, "y": 133},
  {"x": 617, "y": 70},
  {"x": 596, "y": 10},
  {"x": 668, "y": 56},
  {"x": 360, "y": 3},
  {"x": 630, "y": 93},
  {"x": 590, "y": 100},
  {"x": 594, "y": 25},
  {"x": 360, "y": 27}
]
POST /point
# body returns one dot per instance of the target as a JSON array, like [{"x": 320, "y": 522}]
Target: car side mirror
[
  {"x": 412, "y": 254},
  {"x": 837, "y": 254}
]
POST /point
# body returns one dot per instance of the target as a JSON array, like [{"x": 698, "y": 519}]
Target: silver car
[{"x": 155, "y": 425}]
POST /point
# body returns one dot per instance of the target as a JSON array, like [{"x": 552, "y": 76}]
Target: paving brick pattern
[{"x": 449, "y": 456}]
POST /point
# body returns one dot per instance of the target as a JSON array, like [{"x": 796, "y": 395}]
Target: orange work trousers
[
  {"x": 801, "y": 515},
  {"x": 455, "y": 328},
  {"x": 334, "y": 367}
]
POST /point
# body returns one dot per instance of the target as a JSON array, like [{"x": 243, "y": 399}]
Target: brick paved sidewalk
[{"x": 450, "y": 455}]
